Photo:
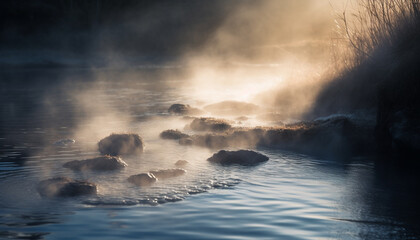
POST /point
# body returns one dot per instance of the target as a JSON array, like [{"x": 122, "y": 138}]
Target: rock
[
  {"x": 241, "y": 157},
  {"x": 104, "y": 163},
  {"x": 64, "y": 142},
  {"x": 184, "y": 109},
  {"x": 210, "y": 124},
  {"x": 65, "y": 187},
  {"x": 168, "y": 173},
  {"x": 121, "y": 144},
  {"x": 173, "y": 134},
  {"x": 331, "y": 136},
  {"x": 181, "y": 163},
  {"x": 142, "y": 179},
  {"x": 232, "y": 108}
]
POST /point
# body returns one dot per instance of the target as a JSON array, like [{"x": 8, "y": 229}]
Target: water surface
[{"x": 292, "y": 196}]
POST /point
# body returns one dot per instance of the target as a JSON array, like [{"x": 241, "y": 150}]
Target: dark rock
[
  {"x": 65, "y": 187},
  {"x": 104, "y": 163},
  {"x": 210, "y": 124},
  {"x": 241, "y": 157},
  {"x": 121, "y": 144},
  {"x": 184, "y": 109},
  {"x": 168, "y": 173},
  {"x": 329, "y": 137},
  {"x": 181, "y": 163},
  {"x": 173, "y": 134},
  {"x": 142, "y": 179},
  {"x": 232, "y": 108},
  {"x": 332, "y": 136}
]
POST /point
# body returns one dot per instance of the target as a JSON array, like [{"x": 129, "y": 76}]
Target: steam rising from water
[{"x": 264, "y": 52}]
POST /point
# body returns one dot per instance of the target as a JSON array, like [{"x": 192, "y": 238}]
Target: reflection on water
[{"x": 292, "y": 196}]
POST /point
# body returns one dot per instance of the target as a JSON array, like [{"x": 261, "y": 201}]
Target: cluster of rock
[
  {"x": 328, "y": 137},
  {"x": 114, "y": 146},
  {"x": 117, "y": 145},
  {"x": 225, "y": 108}
]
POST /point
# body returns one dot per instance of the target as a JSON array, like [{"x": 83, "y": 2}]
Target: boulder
[
  {"x": 168, "y": 173},
  {"x": 241, "y": 157},
  {"x": 103, "y": 163},
  {"x": 181, "y": 163},
  {"x": 65, "y": 187},
  {"x": 142, "y": 179},
  {"x": 173, "y": 134},
  {"x": 184, "y": 109},
  {"x": 210, "y": 124},
  {"x": 121, "y": 144}
]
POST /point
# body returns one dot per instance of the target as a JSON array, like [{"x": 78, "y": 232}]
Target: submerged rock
[
  {"x": 121, "y": 144},
  {"x": 142, "y": 179},
  {"x": 232, "y": 108},
  {"x": 184, "y": 109},
  {"x": 173, "y": 134},
  {"x": 168, "y": 173},
  {"x": 210, "y": 124},
  {"x": 241, "y": 157},
  {"x": 103, "y": 163},
  {"x": 181, "y": 163},
  {"x": 65, "y": 187}
]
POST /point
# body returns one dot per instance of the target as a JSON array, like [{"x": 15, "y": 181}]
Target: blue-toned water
[{"x": 292, "y": 196}]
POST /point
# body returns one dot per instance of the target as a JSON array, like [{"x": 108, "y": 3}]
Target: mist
[{"x": 264, "y": 109}]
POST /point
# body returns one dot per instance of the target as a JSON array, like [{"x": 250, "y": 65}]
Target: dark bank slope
[{"x": 383, "y": 79}]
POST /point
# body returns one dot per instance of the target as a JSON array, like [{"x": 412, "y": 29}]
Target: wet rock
[
  {"x": 210, "y": 124},
  {"x": 121, "y": 144},
  {"x": 168, "y": 173},
  {"x": 241, "y": 157},
  {"x": 65, "y": 187},
  {"x": 103, "y": 163},
  {"x": 181, "y": 163},
  {"x": 173, "y": 134},
  {"x": 184, "y": 109},
  {"x": 232, "y": 108},
  {"x": 142, "y": 179}
]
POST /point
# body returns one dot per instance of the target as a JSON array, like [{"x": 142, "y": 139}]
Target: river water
[{"x": 292, "y": 196}]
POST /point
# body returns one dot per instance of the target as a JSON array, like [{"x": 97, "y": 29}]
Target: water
[{"x": 292, "y": 196}]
